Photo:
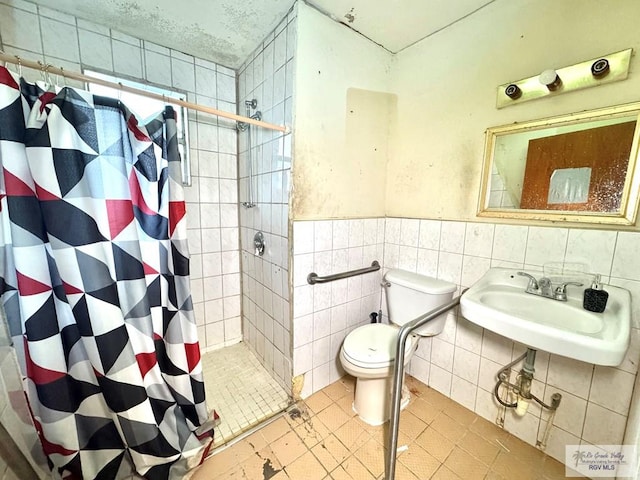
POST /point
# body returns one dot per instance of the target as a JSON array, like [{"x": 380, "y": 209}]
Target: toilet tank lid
[{"x": 418, "y": 282}]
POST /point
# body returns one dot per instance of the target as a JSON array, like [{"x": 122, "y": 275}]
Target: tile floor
[
  {"x": 321, "y": 438},
  {"x": 241, "y": 390}
]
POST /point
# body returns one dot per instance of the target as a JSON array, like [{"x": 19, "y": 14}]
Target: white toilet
[{"x": 368, "y": 352}]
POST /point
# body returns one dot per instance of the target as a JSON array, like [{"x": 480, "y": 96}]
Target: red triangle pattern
[
  {"x": 177, "y": 211},
  {"x": 146, "y": 362},
  {"x": 148, "y": 270},
  {"x": 38, "y": 374},
  {"x": 45, "y": 195},
  {"x": 120, "y": 213},
  {"x": 70, "y": 289},
  {"x": 193, "y": 354},
  {"x": 29, "y": 286},
  {"x": 7, "y": 79},
  {"x": 46, "y": 98},
  {"x": 136, "y": 195},
  {"x": 49, "y": 447},
  {"x": 132, "y": 124},
  {"x": 16, "y": 187}
]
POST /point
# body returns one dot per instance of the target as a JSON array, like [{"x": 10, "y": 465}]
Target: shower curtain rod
[{"x": 48, "y": 69}]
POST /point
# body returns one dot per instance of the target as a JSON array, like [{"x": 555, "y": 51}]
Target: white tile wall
[
  {"x": 265, "y": 295},
  {"x": 462, "y": 362},
  {"x": 323, "y": 314},
  {"x": 39, "y": 33}
]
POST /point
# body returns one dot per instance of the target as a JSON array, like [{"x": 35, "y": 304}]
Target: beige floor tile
[
  {"x": 339, "y": 389},
  {"x": 312, "y": 432},
  {"x": 333, "y": 417},
  {"x": 553, "y": 469},
  {"x": 435, "y": 398},
  {"x": 435, "y": 443},
  {"x": 416, "y": 387},
  {"x": 460, "y": 414},
  {"x": 448, "y": 427},
  {"x": 479, "y": 448},
  {"x": 226, "y": 459},
  {"x": 403, "y": 473},
  {"x": 508, "y": 466},
  {"x": 281, "y": 475},
  {"x": 423, "y": 410},
  {"x": 489, "y": 431},
  {"x": 261, "y": 465},
  {"x": 356, "y": 470},
  {"x": 275, "y": 430},
  {"x": 491, "y": 475},
  {"x": 307, "y": 467},
  {"x": 371, "y": 455},
  {"x": 466, "y": 466},
  {"x": 352, "y": 434},
  {"x": 256, "y": 441},
  {"x": 297, "y": 415},
  {"x": 346, "y": 404},
  {"x": 318, "y": 402},
  {"x": 525, "y": 452},
  {"x": 288, "y": 448},
  {"x": 451, "y": 444},
  {"x": 340, "y": 474},
  {"x": 411, "y": 425},
  {"x": 330, "y": 452},
  {"x": 444, "y": 473},
  {"x": 421, "y": 463}
]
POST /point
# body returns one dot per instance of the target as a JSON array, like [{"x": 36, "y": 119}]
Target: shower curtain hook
[
  {"x": 120, "y": 92},
  {"x": 19, "y": 65},
  {"x": 47, "y": 74}
]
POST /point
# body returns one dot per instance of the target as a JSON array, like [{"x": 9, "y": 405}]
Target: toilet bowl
[{"x": 368, "y": 352}]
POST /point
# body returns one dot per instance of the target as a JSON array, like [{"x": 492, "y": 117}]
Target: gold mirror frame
[{"x": 625, "y": 215}]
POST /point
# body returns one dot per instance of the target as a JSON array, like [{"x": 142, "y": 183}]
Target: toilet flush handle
[{"x": 385, "y": 284}]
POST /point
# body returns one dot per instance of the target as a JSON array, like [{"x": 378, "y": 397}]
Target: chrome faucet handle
[
  {"x": 561, "y": 290},
  {"x": 533, "y": 283}
]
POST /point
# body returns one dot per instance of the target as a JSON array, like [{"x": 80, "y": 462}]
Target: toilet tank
[{"x": 410, "y": 295}]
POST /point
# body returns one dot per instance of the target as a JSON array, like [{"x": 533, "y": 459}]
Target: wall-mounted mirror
[{"x": 577, "y": 168}]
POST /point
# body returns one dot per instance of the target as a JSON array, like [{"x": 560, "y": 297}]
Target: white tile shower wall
[
  {"x": 463, "y": 361},
  {"x": 39, "y": 33},
  {"x": 323, "y": 314},
  {"x": 267, "y": 76}
]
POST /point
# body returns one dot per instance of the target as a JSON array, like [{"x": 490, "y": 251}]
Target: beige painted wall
[
  {"x": 446, "y": 87},
  {"x": 342, "y": 118}
]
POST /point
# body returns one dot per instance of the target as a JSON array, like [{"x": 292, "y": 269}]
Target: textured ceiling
[{"x": 227, "y": 31}]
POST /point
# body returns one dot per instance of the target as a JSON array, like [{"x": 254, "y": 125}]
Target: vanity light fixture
[
  {"x": 591, "y": 73},
  {"x": 550, "y": 79}
]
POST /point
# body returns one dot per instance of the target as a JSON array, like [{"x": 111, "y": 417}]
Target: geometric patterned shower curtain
[{"x": 94, "y": 278}]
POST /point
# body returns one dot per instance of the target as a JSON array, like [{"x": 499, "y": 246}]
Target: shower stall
[{"x": 240, "y": 298}]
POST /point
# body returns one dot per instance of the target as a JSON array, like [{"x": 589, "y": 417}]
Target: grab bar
[
  {"x": 313, "y": 278},
  {"x": 398, "y": 373}
]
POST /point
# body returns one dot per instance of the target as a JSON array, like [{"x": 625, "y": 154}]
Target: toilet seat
[{"x": 374, "y": 345}]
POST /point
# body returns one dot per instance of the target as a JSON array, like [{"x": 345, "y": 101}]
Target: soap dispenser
[{"x": 595, "y": 299}]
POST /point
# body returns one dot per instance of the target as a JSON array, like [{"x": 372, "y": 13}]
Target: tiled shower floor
[{"x": 240, "y": 389}]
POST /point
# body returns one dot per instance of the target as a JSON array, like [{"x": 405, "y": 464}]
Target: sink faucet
[{"x": 543, "y": 288}]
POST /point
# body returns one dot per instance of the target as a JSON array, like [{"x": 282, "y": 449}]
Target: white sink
[{"x": 498, "y": 302}]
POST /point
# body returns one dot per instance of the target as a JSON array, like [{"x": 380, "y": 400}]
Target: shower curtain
[{"x": 94, "y": 280}]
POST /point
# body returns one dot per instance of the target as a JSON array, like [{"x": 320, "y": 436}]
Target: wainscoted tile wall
[
  {"x": 462, "y": 361},
  {"x": 267, "y": 76},
  {"x": 323, "y": 314}
]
